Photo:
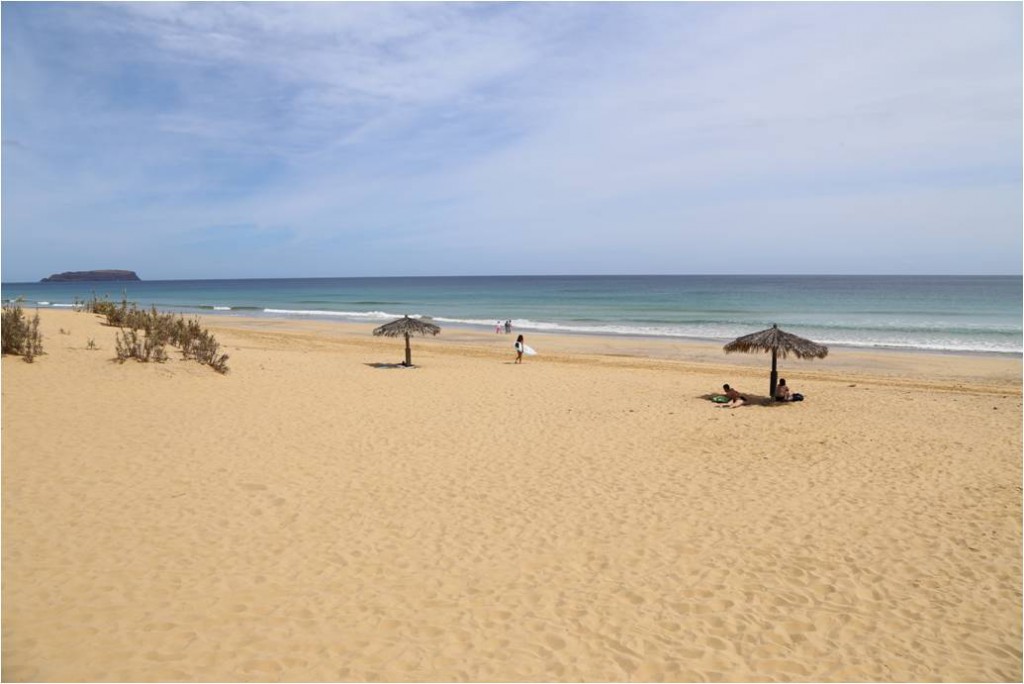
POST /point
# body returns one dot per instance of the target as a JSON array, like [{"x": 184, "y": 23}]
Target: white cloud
[{"x": 623, "y": 129}]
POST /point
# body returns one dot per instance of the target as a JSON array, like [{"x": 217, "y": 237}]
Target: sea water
[{"x": 940, "y": 313}]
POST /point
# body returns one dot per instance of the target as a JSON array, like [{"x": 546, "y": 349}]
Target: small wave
[
  {"x": 52, "y": 305},
  {"x": 467, "y": 321},
  {"x": 946, "y": 347},
  {"x": 832, "y": 333},
  {"x": 356, "y": 303},
  {"x": 716, "y": 331},
  {"x": 217, "y": 307},
  {"x": 352, "y": 315}
]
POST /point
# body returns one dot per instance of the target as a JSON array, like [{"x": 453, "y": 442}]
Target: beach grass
[
  {"x": 145, "y": 334},
  {"x": 20, "y": 335}
]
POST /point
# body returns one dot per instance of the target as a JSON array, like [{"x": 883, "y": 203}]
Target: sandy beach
[{"x": 319, "y": 515}]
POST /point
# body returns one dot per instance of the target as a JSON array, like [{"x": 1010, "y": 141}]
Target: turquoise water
[{"x": 940, "y": 313}]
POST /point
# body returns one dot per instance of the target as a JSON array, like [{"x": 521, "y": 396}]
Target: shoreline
[
  {"x": 995, "y": 373},
  {"x": 1001, "y": 373},
  {"x": 892, "y": 334},
  {"x": 630, "y": 336}
]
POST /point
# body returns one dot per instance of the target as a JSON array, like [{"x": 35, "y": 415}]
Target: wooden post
[
  {"x": 408, "y": 351},
  {"x": 775, "y": 378}
]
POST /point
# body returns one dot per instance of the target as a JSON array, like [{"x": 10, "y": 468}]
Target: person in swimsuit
[
  {"x": 735, "y": 398},
  {"x": 520, "y": 347},
  {"x": 782, "y": 392}
]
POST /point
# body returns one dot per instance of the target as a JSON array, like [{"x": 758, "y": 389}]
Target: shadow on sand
[
  {"x": 752, "y": 400},
  {"x": 390, "y": 365}
]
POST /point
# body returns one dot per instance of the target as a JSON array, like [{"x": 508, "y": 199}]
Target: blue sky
[{"x": 233, "y": 140}]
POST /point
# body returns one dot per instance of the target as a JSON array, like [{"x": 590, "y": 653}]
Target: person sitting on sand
[
  {"x": 782, "y": 392},
  {"x": 735, "y": 398}
]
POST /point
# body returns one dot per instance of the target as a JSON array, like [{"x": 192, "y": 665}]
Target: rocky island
[{"x": 88, "y": 276}]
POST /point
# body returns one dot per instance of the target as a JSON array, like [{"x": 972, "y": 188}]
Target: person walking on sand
[
  {"x": 497, "y": 327},
  {"x": 520, "y": 347},
  {"x": 735, "y": 398}
]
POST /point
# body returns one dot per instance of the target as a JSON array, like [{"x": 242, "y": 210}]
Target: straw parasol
[
  {"x": 778, "y": 343},
  {"x": 407, "y": 326}
]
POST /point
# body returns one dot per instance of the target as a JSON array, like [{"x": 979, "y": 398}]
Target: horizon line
[{"x": 554, "y": 275}]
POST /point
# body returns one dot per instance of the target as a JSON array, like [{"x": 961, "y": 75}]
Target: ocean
[{"x": 975, "y": 314}]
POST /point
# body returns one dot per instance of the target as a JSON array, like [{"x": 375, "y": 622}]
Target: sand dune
[{"x": 584, "y": 516}]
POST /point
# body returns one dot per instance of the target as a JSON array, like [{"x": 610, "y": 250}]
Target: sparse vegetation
[
  {"x": 199, "y": 344},
  {"x": 20, "y": 335},
  {"x": 131, "y": 345},
  {"x": 146, "y": 334},
  {"x": 115, "y": 313}
]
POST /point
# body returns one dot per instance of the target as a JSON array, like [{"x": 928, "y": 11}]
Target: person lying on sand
[{"x": 735, "y": 398}]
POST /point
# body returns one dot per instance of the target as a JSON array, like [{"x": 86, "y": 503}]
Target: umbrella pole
[
  {"x": 408, "y": 351},
  {"x": 775, "y": 377}
]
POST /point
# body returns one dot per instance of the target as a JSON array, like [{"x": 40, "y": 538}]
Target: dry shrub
[
  {"x": 20, "y": 335},
  {"x": 131, "y": 345},
  {"x": 158, "y": 330}
]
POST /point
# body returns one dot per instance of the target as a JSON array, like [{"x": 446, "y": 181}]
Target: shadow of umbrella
[
  {"x": 779, "y": 343},
  {"x": 406, "y": 326}
]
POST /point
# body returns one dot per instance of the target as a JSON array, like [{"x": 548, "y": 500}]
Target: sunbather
[{"x": 735, "y": 398}]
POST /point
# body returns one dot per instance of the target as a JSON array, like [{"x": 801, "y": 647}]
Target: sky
[{"x": 252, "y": 140}]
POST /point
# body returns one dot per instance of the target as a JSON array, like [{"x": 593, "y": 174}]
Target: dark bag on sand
[{"x": 797, "y": 397}]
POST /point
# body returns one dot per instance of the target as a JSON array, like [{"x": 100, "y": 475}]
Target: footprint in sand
[
  {"x": 261, "y": 666},
  {"x": 627, "y": 664},
  {"x": 635, "y": 599},
  {"x": 717, "y": 644},
  {"x": 164, "y": 657},
  {"x": 784, "y": 667},
  {"x": 158, "y": 626},
  {"x": 691, "y": 653},
  {"x": 797, "y": 627},
  {"x": 555, "y": 642}
]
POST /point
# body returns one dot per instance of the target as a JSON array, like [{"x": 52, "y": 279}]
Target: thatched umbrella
[
  {"x": 407, "y": 326},
  {"x": 777, "y": 342}
]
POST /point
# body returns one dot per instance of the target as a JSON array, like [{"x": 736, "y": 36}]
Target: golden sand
[{"x": 587, "y": 515}]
